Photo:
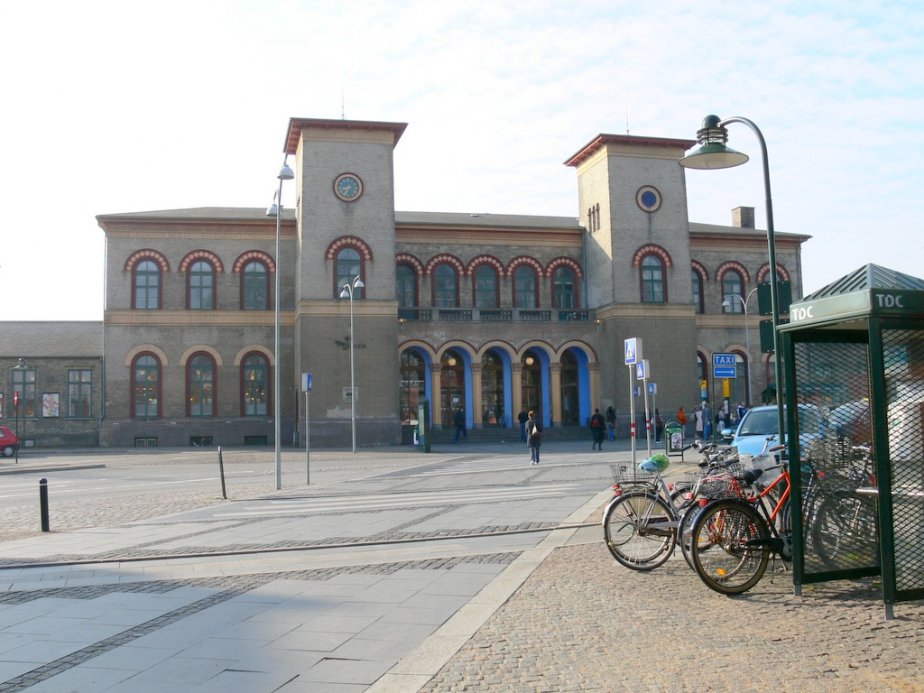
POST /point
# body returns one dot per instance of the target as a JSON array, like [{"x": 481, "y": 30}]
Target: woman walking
[{"x": 533, "y": 437}]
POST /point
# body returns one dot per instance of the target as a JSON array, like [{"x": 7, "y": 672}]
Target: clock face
[
  {"x": 648, "y": 199},
  {"x": 348, "y": 187}
]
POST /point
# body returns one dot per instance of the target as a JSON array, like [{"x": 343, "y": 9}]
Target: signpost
[
  {"x": 307, "y": 382},
  {"x": 641, "y": 373},
  {"x": 632, "y": 354}
]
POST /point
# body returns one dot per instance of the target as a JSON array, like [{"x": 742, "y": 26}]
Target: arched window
[
  {"x": 146, "y": 286},
  {"x": 201, "y": 286},
  {"x": 254, "y": 385},
  {"x": 525, "y": 287},
  {"x": 406, "y": 286},
  {"x": 652, "y": 280},
  {"x": 563, "y": 292},
  {"x": 254, "y": 286},
  {"x": 485, "y": 287},
  {"x": 413, "y": 385},
  {"x": 732, "y": 286},
  {"x": 348, "y": 266},
  {"x": 698, "y": 298},
  {"x": 445, "y": 287},
  {"x": 200, "y": 386},
  {"x": 145, "y": 386}
]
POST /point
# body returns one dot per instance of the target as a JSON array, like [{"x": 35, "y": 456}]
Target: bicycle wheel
[
  {"x": 685, "y": 532},
  {"x": 729, "y": 546},
  {"x": 845, "y": 531},
  {"x": 638, "y": 530}
]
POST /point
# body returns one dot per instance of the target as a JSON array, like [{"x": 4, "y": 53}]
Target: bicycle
[
  {"x": 646, "y": 515},
  {"x": 732, "y": 539}
]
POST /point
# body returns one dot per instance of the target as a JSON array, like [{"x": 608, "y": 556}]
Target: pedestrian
[
  {"x": 533, "y": 437},
  {"x": 720, "y": 419},
  {"x": 522, "y": 418},
  {"x": 597, "y": 429},
  {"x": 459, "y": 420},
  {"x": 659, "y": 426},
  {"x": 698, "y": 418},
  {"x": 707, "y": 420},
  {"x": 611, "y": 422},
  {"x": 741, "y": 410},
  {"x": 682, "y": 420}
]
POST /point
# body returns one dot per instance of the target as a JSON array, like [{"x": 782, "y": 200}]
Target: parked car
[
  {"x": 759, "y": 423},
  {"x": 8, "y": 442}
]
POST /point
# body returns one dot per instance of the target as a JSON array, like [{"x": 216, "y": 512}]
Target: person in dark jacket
[
  {"x": 459, "y": 420},
  {"x": 597, "y": 429},
  {"x": 522, "y": 417},
  {"x": 533, "y": 437}
]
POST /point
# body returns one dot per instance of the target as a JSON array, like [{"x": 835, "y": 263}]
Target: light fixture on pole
[
  {"x": 713, "y": 154},
  {"x": 747, "y": 333},
  {"x": 285, "y": 173},
  {"x": 348, "y": 291}
]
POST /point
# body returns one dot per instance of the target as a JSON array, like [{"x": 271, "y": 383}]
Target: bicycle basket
[
  {"x": 625, "y": 475},
  {"x": 763, "y": 462},
  {"x": 719, "y": 485}
]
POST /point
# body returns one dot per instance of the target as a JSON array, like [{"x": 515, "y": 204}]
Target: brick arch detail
[
  {"x": 201, "y": 255},
  {"x": 265, "y": 258},
  {"x": 652, "y": 249},
  {"x": 349, "y": 242},
  {"x": 735, "y": 265},
  {"x": 564, "y": 262},
  {"x": 147, "y": 254},
  {"x": 485, "y": 260},
  {"x": 408, "y": 259},
  {"x": 700, "y": 269},
  {"x": 444, "y": 258},
  {"x": 765, "y": 270},
  {"x": 525, "y": 260}
]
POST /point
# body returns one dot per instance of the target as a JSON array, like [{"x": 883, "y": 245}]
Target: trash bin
[{"x": 673, "y": 438}]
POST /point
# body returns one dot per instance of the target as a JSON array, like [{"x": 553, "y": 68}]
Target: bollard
[
  {"x": 221, "y": 471},
  {"x": 43, "y": 504}
]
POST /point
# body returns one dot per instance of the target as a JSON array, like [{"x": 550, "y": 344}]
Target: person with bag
[
  {"x": 611, "y": 422},
  {"x": 597, "y": 428},
  {"x": 533, "y": 437}
]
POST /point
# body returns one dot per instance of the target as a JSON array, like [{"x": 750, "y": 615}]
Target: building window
[
  {"x": 485, "y": 287},
  {"x": 653, "y": 290},
  {"x": 525, "y": 287},
  {"x": 732, "y": 285},
  {"x": 348, "y": 266},
  {"x": 413, "y": 386},
  {"x": 145, "y": 386},
  {"x": 201, "y": 278},
  {"x": 406, "y": 286},
  {"x": 698, "y": 302},
  {"x": 255, "y": 381},
  {"x": 23, "y": 381},
  {"x": 146, "y": 284},
  {"x": 200, "y": 386},
  {"x": 563, "y": 289},
  {"x": 79, "y": 389},
  {"x": 254, "y": 286},
  {"x": 445, "y": 287}
]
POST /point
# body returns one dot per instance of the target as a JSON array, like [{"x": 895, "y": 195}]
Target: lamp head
[
  {"x": 272, "y": 210},
  {"x": 726, "y": 303},
  {"x": 345, "y": 291},
  {"x": 712, "y": 153},
  {"x": 358, "y": 283},
  {"x": 286, "y": 172}
]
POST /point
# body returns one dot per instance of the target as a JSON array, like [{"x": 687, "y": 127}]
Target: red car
[{"x": 8, "y": 442}]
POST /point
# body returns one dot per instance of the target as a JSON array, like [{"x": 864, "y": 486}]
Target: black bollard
[
  {"x": 221, "y": 471},
  {"x": 43, "y": 504}
]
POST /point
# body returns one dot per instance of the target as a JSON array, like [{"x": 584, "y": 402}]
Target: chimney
[{"x": 743, "y": 217}]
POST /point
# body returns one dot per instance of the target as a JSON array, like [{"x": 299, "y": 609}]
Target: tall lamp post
[
  {"x": 275, "y": 209},
  {"x": 348, "y": 291},
  {"x": 747, "y": 332},
  {"x": 713, "y": 154}
]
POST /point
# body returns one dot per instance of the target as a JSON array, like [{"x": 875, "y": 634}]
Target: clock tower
[{"x": 345, "y": 228}]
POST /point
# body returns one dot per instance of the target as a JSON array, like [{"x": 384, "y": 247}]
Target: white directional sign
[{"x": 723, "y": 365}]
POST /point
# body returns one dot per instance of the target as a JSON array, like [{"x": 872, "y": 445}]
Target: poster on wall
[{"x": 50, "y": 404}]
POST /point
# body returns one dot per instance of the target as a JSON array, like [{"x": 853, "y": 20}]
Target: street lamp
[
  {"x": 348, "y": 291},
  {"x": 713, "y": 154},
  {"x": 747, "y": 333},
  {"x": 275, "y": 209}
]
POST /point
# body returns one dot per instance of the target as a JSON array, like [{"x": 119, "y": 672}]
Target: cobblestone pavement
[{"x": 582, "y": 622}]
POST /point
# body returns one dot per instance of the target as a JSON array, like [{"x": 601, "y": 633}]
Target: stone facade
[{"x": 479, "y": 313}]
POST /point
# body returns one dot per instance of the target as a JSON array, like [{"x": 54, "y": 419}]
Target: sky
[{"x": 114, "y": 107}]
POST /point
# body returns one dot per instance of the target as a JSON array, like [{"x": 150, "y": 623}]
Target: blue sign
[
  {"x": 633, "y": 346},
  {"x": 307, "y": 380},
  {"x": 723, "y": 366}
]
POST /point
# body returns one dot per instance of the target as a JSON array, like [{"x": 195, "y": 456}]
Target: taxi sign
[{"x": 723, "y": 366}]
